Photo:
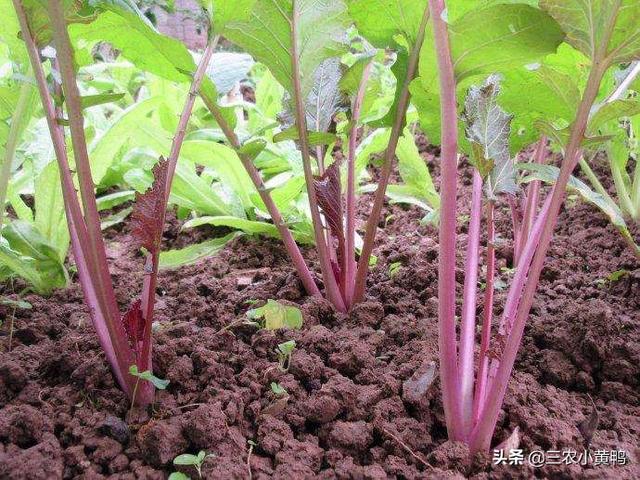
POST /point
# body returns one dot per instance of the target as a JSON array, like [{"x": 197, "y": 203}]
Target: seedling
[
  {"x": 16, "y": 304},
  {"x": 285, "y": 351},
  {"x": 394, "y": 268},
  {"x": 252, "y": 445},
  {"x": 274, "y": 315},
  {"x": 278, "y": 390},
  {"x": 146, "y": 376},
  {"x": 196, "y": 461}
]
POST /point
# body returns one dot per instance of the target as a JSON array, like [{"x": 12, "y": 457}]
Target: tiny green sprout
[
  {"x": 394, "y": 268},
  {"x": 278, "y": 389},
  {"x": 195, "y": 461},
  {"x": 284, "y": 351},
  {"x": 159, "y": 383},
  {"x": 373, "y": 260},
  {"x": 179, "y": 476},
  {"x": 274, "y": 315}
]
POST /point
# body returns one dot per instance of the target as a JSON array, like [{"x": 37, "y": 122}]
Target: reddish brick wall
[{"x": 182, "y": 24}]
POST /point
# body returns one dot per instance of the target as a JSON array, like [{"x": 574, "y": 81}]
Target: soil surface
[{"x": 363, "y": 395}]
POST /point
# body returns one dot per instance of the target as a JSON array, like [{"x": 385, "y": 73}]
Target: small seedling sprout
[
  {"x": 195, "y": 461},
  {"x": 284, "y": 351}
]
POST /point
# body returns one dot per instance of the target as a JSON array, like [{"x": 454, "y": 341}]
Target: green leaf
[
  {"x": 133, "y": 35},
  {"x": 286, "y": 348},
  {"x": 133, "y": 127},
  {"x": 263, "y": 28},
  {"x": 186, "y": 459},
  {"x": 248, "y": 226},
  {"x": 613, "y": 111},
  {"x": 587, "y": 25},
  {"x": 277, "y": 389},
  {"x": 498, "y": 37},
  {"x": 225, "y": 162},
  {"x": 115, "y": 218},
  {"x": 179, "y": 476},
  {"x": 414, "y": 172},
  {"x": 111, "y": 200},
  {"x": 277, "y": 315},
  {"x": 488, "y": 129},
  {"x": 16, "y": 303},
  {"x": 549, "y": 174},
  {"x": 324, "y": 100},
  {"x": 50, "y": 217},
  {"x": 195, "y": 252},
  {"x": 253, "y": 148},
  {"x": 159, "y": 383},
  {"x": 315, "y": 138}
]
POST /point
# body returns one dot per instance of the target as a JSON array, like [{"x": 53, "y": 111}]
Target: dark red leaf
[
  {"x": 148, "y": 210},
  {"x": 133, "y": 323},
  {"x": 329, "y": 195}
]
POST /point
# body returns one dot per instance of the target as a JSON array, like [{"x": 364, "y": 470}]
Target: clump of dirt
[{"x": 362, "y": 392}]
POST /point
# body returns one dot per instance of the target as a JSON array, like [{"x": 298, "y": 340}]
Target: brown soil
[{"x": 360, "y": 404}]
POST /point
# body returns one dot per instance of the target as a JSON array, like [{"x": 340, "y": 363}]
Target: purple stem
[
  {"x": 350, "y": 260},
  {"x": 385, "y": 174},
  {"x": 447, "y": 232},
  {"x": 533, "y": 197},
  {"x": 468, "y": 323},
  {"x": 487, "y": 315},
  {"x": 287, "y": 238}
]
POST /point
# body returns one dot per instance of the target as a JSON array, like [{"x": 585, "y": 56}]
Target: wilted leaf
[
  {"x": 148, "y": 210},
  {"x": 488, "y": 128}
]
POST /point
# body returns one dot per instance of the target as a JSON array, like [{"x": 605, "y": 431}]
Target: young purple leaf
[
  {"x": 147, "y": 216},
  {"x": 328, "y": 192},
  {"x": 134, "y": 324}
]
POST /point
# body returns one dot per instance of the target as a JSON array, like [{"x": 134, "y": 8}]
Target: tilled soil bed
[{"x": 363, "y": 400}]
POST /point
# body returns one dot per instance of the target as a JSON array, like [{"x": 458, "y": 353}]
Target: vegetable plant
[
  {"x": 606, "y": 33},
  {"x": 125, "y": 339},
  {"x": 311, "y": 38}
]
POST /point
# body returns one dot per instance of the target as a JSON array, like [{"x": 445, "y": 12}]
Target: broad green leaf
[
  {"x": 133, "y": 127},
  {"x": 277, "y": 315},
  {"x": 263, "y": 28},
  {"x": 50, "y": 217},
  {"x": 225, "y": 162},
  {"x": 613, "y": 111},
  {"x": 248, "y": 226},
  {"x": 414, "y": 172},
  {"x": 191, "y": 191},
  {"x": 22, "y": 304},
  {"x": 178, "y": 476},
  {"x": 501, "y": 36},
  {"x": 186, "y": 459},
  {"x": 134, "y": 36},
  {"x": 111, "y": 200},
  {"x": 195, "y": 252},
  {"x": 488, "y": 129},
  {"x": 588, "y": 23},
  {"x": 115, "y": 218},
  {"x": 390, "y": 24},
  {"x": 283, "y": 195}
]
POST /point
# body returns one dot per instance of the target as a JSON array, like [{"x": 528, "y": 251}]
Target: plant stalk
[
  {"x": 330, "y": 282},
  {"x": 468, "y": 323},
  {"x": 350, "y": 261},
  {"x": 447, "y": 233},
  {"x": 287, "y": 238},
  {"x": 487, "y": 314},
  {"x": 396, "y": 131}
]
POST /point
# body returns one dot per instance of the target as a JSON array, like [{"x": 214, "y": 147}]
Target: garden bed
[{"x": 360, "y": 403}]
